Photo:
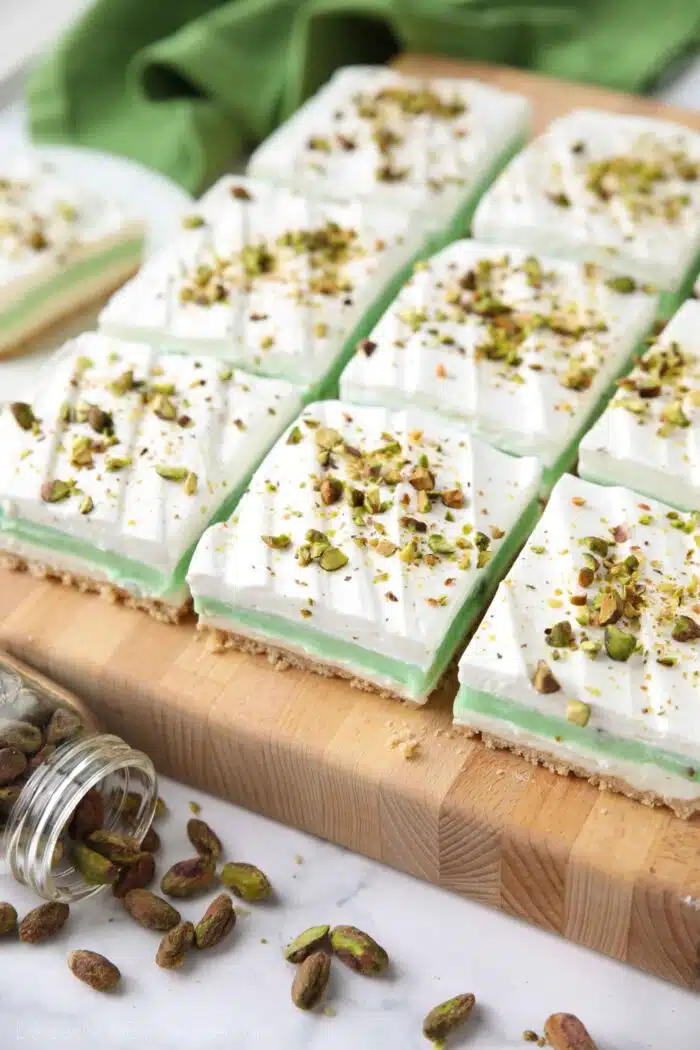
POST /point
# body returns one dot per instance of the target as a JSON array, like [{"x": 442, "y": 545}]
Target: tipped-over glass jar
[{"x": 53, "y": 760}]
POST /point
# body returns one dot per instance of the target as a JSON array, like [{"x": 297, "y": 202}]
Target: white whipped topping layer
[
  {"x": 635, "y": 442},
  {"x": 379, "y": 601},
  {"x": 221, "y": 429},
  {"x": 47, "y": 224},
  {"x": 366, "y": 134},
  {"x": 543, "y": 199},
  {"x": 284, "y": 316},
  {"x": 427, "y": 349},
  {"x": 639, "y": 699}
]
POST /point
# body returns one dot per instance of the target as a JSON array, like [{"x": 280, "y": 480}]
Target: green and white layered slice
[
  {"x": 275, "y": 281},
  {"x": 649, "y": 435},
  {"x": 125, "y": 456},
  {"x": 61, "y": 248},
  {"x": 621, "y": 191},
  {"x": 365, "y": 546},
  {"x": 588, "y": 660},
  {"x": 427, "y": 147},
  {"x": 521, "y": 349}
]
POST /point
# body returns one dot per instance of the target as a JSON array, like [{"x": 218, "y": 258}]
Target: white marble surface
[{"x": 237, "y": 996}]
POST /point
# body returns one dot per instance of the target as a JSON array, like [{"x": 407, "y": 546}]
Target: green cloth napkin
[{"x": 186, "y": 85}]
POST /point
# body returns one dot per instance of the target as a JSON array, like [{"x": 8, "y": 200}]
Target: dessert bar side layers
[
  {"x": 366, "y": 545},
  {"x": 61, "y": 248},
  {"x": 588, "y": 658},
  {"x": 124, "y": 458},
  {"x": 647, "y": 438}
]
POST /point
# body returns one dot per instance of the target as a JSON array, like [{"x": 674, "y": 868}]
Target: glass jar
[{"x": 52, "y": 754}]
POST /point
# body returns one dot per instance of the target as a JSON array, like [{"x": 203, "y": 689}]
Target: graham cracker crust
[
  {"x": 683, "y": 808},
  {"x": 157, "y": 610},
  {"x": 218, "y": 641},
  {"x": 23, "y": 343}
]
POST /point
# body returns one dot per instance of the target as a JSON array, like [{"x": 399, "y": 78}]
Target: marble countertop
[{"x": 237, "y": 996}]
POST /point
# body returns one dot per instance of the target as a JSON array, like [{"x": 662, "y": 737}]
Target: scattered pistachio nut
[
  {"x": 204, "y": 840},
  {"x": 685, "y": 629},
  {"x": 94, "y": 969},
  {"x": 189, "y": 877},
  {"x": 95, "y": 869},
  {"x": 121, "y": 849},
  {"x": 306, "y": 943},
  {"x": 135, "y": 876},
  {"x": 12, "y": 765},
  {"x": 171, "y": 473},
  {"x": 151, "y": 841},
  {"x": 277, "y": 543},
  {"x": 619, "y": 645},
  {"x": 543, "y": 679},
  {"x": 43, "y": 922},
  {"x": 332, "y": 559},
  {"x": 88, "y": 815},
  {"x": 175, "y": 945},
  {"x": 55, "y": 491},
  {"x": 566, "y": 1032},
  {"x": 216, "y": 923},
  {"x": 444, "y": 1018},
  {"x": 8, "y": 919},
  {"x": 63, "y": 725},
  {"x": 560, "y": 635},
  {"x": 150, "y": 910},
  {"x": 311, "y": 980},
  {"x": 23, "y": 414},
  {"x": 578, "y": 712},
  {"x": 23, "y": 736},
  {"x": 358, "y": 950},
  {"x": 246, "y": 881}
]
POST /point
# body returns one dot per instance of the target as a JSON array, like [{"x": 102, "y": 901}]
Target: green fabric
[{"x": 185, "y": 85}]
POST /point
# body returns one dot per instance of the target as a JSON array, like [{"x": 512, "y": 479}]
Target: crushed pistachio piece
[
  {"x": 277, "y": 543},
  {"x": 578, "y": 712},
  {"x": 171, "y": 473}
]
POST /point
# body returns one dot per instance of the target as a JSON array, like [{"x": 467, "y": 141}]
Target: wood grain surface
[{"x": 594, "y": 867}]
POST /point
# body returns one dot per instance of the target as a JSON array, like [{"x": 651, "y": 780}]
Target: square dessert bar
[
  {"x": 648, "y": 438},
  {"x": 429, "y": 147},
  {"x": 619, "y": 190},
  {"x": 365, "y": 546},
  {"x": 277, "y": 282},
  {"x": 520, "y": 348},
  {"x": 588, "y": 660},
  {"x": 125, "y": 456},
  {"x": 61, "y": 248}
]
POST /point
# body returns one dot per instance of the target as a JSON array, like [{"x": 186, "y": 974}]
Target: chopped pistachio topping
[
  {"x": 578, "y": 712},
  {"x": 171, "y": 473}
]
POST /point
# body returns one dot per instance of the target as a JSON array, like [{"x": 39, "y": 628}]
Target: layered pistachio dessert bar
[
  {"x": 521, "y": 348},
  {"x": 428, "y": 147},
  {"x": 125, "y": 456},
  {"x": 588, "y": 660},
  {"x": 622, "y": 191},
  {"x": 648, "y": 438},
  {"x": 365, "y": 546},
  {"x": 276, "y": 281},
  {"x": 61, "y": 248}
]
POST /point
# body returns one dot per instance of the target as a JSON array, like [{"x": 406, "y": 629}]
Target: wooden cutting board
[{"x": 594, "y": 867}]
